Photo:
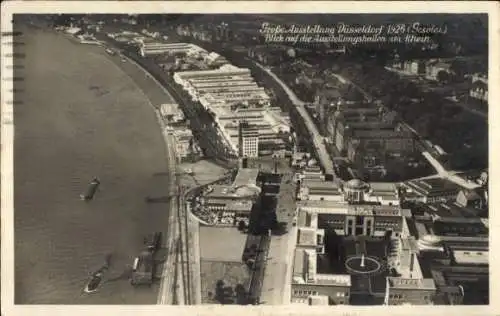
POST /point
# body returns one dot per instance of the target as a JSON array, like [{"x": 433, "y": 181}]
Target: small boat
[
  {"x": 93, "y": 283},
  {"x": 91, "y": 190},
  {"x": 97, "y": 277}
]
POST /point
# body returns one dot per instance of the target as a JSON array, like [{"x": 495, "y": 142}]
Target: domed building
[
  {"x": 354, "y": 190},
  {"x": 358, "y": 192}
]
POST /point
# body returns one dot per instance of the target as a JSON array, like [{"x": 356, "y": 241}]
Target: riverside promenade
[
  {"x": 168, "y": 276},
  {"x": 181, "y": 270}
]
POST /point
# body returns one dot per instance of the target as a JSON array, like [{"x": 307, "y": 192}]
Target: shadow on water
[
  {"x": 125, "y": 275},
  {"x": 161, "y": 174},
  {"x": 159, "y": 199}
]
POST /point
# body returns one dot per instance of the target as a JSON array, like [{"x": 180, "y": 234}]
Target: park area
[{"x": 224, "y": 277}]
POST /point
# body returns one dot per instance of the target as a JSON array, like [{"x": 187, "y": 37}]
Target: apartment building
[
  {"x": 378, "y": 143},
  {"x": 346, "y": 130},
  {"x": 184, "y": 141}
]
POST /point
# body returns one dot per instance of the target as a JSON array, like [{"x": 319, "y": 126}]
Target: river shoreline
[{"x": 73, "y": 132}]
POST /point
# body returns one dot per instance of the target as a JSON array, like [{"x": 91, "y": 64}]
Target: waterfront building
[
  {"x": 184, "y": 141},
  {"x": 183, "y": 78},
  {"x": 149, "y": 48},
  {"x": 235, "y": 200},
  {"x": 270, "y": 123},
  {"x": 171, "y": 113},
  {"x": 232, "y": 96}
]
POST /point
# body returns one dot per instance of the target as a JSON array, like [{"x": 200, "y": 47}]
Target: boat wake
[{"x": 97, "y": 277}]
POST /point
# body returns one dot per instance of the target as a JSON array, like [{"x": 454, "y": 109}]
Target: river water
[{"x": 83, "y": 116}]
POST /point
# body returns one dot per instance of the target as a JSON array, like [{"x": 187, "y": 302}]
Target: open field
[
  {"x": 205, "y": 172},
  {"x": 221, "y": 244},
  {"x": 82, "y": 117},
  {"x": 232, "y": 274}
]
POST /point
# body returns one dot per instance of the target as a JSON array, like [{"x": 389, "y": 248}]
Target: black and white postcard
[{"x": 249, "y": 157}]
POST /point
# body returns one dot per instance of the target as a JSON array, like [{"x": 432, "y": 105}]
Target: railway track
[{"x": 184, "y": 250}]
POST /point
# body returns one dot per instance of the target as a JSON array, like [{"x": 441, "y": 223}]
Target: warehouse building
[{"x": 147, "y": 48}]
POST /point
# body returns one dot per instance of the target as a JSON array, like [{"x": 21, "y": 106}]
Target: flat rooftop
[
  {"x": 450, "y": 210},
  {"x": 286, "y": 198},
  {"x": 240, "y": 206},
  {"x": 320, "y": 184},
  {"x": 402, "y": 283},
  {"x": 380, "y": 187},
  {"x": 433, "y": 186},
  {"x": 471, "y": 257},
  {"x": 306, "y": 259},
  {"x": 340, "y": 208},
  {"x": 246, "y": 176},
  {"x": 197, "y": 83},
  {"x": 307, "y": 236},
  {"x": 228, "y": 192}
]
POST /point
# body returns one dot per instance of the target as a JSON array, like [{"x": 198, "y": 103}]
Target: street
[{"x": 317, "y": 139}]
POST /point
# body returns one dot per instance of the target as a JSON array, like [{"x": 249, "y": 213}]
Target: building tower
[{"x": 248, "y": 140}]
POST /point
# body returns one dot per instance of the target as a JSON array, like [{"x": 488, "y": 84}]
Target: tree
[
  {"x": 219, "y": 291},
  {"x": 443, "y": 76},
  {"x": 241, "y": 294},
  {"x": 242, "y": 225}
]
